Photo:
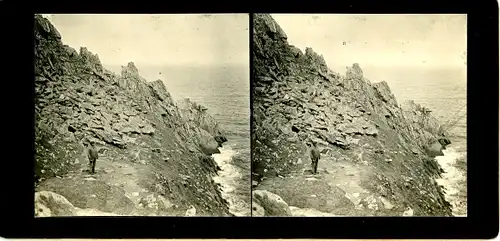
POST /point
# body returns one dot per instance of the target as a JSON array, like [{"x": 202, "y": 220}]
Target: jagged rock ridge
[
  {"x": 360, "y": 127},
  {"x": 155, "y": 154}
]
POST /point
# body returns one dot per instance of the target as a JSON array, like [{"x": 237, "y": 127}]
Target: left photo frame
[{"x": 142, "y": 115}]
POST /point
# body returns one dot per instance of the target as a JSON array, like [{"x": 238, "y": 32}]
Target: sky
[
  {"x": 158, "y": 40},
  {"x": 380, "y": 40}
]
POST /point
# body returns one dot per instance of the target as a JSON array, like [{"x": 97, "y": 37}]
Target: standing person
[
  {"x": 92, "y": 155},
  {"x": 315, "y": 156}
]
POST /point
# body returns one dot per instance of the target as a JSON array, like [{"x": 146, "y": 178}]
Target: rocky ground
[
  {"x": 377, "y": 155},
  {"x": 155, "y": 154}
]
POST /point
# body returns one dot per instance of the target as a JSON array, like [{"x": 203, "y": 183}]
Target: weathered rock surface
[
  {"x": 270, "y": 203},
  {"x": 137, "y": 128},
  {"x": 50, "y": 204},
  {"x": 309, "y": 212},
  {"x": 355, "y": 123}
]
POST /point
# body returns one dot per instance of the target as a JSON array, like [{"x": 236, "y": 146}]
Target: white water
[
  {"x": 229, "y": 177},
  {"x": 453, "y": 180}
]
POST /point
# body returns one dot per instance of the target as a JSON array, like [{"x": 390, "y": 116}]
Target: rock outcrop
[
  {"x": 153, "y": 152},
  {"x": 50, "y": 204},
  {"x": 266, "y": 203},
  {"x": 354, "y": 122}
]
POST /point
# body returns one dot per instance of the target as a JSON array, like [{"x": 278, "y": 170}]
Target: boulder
[
  {"x": 257, "y": 210},
  {"x": 95, "y": 194},
  {"x": 157, "y": 202},
  {"x": 444, "y": 142},
  {"x": 220, "y": 140},
  {"x": 207, "y": 143},
  {"x": 434, "y": 149},
  {"x": 272, "y": 204},
  {"x": 48, "y": 204}
]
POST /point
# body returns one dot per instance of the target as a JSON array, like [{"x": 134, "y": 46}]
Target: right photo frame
[{"x": 359, "y": 115}]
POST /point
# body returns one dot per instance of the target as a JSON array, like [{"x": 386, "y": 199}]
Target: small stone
[
  {"x": 387, "y": 204},
  {"x": 408, "y": 212},
  {"x": 191, "y": 211},
  {"x": 388, "y": 160}
]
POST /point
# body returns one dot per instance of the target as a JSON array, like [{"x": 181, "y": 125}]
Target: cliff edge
[
  {"x": 376, "y": 155},
  {"x": 155, "y": 154}
]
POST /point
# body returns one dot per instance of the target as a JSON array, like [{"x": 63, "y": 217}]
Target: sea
[
  {"x": 225, "y": 91},
  {"x": 444, "y": 91}
]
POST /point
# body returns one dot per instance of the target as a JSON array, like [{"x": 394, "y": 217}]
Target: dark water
[
  {"x": 444, "y": 91},
  {"x": 225, "y": 91}
]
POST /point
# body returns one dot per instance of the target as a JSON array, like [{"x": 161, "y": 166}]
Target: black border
[{"x": 17, "y": 186}]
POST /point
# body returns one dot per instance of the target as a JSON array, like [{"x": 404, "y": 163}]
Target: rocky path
[
  {"x": 335, "y": 191},
  {"x": 116, "y": 188}
]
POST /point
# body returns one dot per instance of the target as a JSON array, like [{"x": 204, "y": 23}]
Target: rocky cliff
[
  {"x": 377, "y": 155},
  {"x": 155, "y": 154}
]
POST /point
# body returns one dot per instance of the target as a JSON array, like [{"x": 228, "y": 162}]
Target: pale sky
[
  {"x": 380, "y": 40},
  {"x": 173, "y": 39}
]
